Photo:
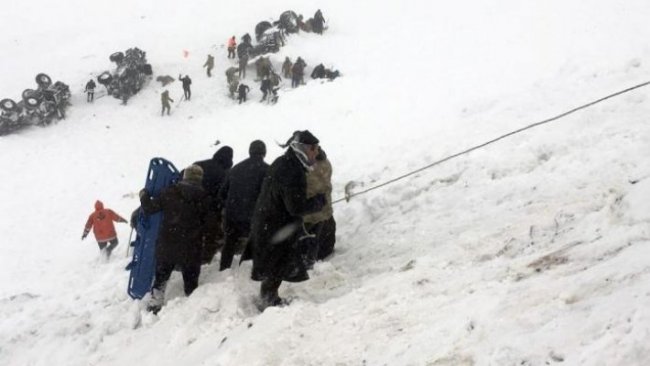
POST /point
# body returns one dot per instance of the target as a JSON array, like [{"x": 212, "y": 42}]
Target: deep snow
[{"x": 531, "y": 251}]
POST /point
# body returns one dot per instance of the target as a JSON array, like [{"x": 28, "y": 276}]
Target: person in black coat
[
  {"x": 277, "y": 223},
  {"x": 318, "y": 22},
  {"x": 184, "y": 208},
  {"x": 266, "y": 87},
  {"x": 239, "y": 193},
  {"x": 90, "y": 90},
  {"x": 186, "y": 86},
  {"x": 241, "y": 93},
  {"x": 214, "y": 174}
]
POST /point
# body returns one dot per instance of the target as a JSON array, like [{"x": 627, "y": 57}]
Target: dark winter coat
[
  {"x": 298, "y": 68},
  {"x": 186, "y": 82},
  {"x": 243, "y": 89},
  {"x": 318, "y": 72},
  {"x": 184, "y": 211},
  {"x": 215, "y": 170},
  {"x": 242, "y": 187},
  {"x": 242, "y": 50},
  {"x": 277, "y": 220},
  {"x": 90, "y": 86}
]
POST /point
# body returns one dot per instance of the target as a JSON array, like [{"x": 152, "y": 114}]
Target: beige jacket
[{"x": 319, "y": 180}]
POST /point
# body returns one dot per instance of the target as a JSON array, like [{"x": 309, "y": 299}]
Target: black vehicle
[
  {"x": 288, "y": 22},
  {"x": 38, "y": 106},
  {"x": 129, "y": 77},
  {"x": 268, "y": 42}
]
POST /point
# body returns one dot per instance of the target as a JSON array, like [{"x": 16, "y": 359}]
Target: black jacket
[
  {"x": 277, "y": 219},
  {"x": 266, "y": 85},
  {"x": 242, "y": 187},
  {"x": 243, "y": 89},
  {"x": 186, "y": 82},
  {"x": 184, "y": 210},
  {"x": 214, "y": 173}
]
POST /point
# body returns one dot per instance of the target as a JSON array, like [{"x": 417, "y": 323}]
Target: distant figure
[
  {"x": 320, "y": 72},
  {"x": 233, "y": 80},
  {"x": 297, "y": 72},
  {"x": 263, "y": 67},
  {"x": 186, "y": 86},
  {"x": 318, "y": 22},
  {"x": 243, "y": 54},
  {"x": 242, "y": 91},
  {"x": 165, "y": 99},
  {"x": 286, "y": 68},
  {"x": 101, "y": 221},
  {"x": 209, "y": 64},
  {"x": 90, "y": 90},
  {"x": 265, "y": 87},
  {"x": 232, "y": 45}
]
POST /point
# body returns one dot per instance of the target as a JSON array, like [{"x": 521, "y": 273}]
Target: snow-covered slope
[{"x": 531, "y": 251}]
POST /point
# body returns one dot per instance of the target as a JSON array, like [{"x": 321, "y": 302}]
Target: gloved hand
[{"x": 83, "y": 236}]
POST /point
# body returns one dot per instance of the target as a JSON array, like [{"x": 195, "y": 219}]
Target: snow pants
[{"x": 190, "y": 273}]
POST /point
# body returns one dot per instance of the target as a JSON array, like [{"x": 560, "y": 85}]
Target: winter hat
[
  {"x": 99, "y": 205},
  {"x": 224, "y": 157},
  {"x": 193, "y": 173},
  {"x": 306, "y": 137},
  {"x": 257, "y": 148}
]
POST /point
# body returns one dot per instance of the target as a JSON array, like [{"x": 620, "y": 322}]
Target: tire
[
  {"x": 105, "y": 78},
  {"x": 28, "y": 93},
  {"x": 43, "y": 80},
  {"x": 260, "y": 28},
  {"x": 117, "y": 57},
  {"x": 8, "y": 105},
  {"x": 31, "y": 102},
  {"x": 289, "y": 21}
]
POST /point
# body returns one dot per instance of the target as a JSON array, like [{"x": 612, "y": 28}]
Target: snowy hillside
[{"x": 530, "y": 251}]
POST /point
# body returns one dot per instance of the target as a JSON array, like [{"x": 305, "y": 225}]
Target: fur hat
[
  {"x": 193, "y": 173},
  {"x": 257, "y": 148},
  {"x": 306, "y": 137}
]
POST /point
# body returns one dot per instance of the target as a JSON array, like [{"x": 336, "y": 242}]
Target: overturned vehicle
[
  {"x": 269, "y": 40},
  {"x": 129, "y": 77},
  {"x": 38, "y": 106}
]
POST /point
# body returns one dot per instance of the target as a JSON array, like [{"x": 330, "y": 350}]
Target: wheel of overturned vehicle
[
  {"x": 28, "y": 93},
  {"x": 8, "y": 105},
  {"x": 105, "y": 78},
  {"x": 117, "y": 57},
  {"x": 43, "y": 80},
  {"x": 260, "y": 28},
  {"x": 31, "y": 102}
]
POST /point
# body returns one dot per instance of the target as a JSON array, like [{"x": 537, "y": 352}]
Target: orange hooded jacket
[{"x": 101, "y": 221}]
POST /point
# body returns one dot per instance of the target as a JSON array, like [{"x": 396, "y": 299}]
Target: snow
[{"x": 531, "y": 251}]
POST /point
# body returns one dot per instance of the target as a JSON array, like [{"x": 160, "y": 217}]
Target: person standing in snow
[
  {"x": 321, "y": 223},
  {"x": 232, "y": 45},
  {"x": 214, "y": 175},
  {"x": 90, "y": 91},
  {"x": 318, "y": 22},
  {"x": 242, "y": 91},
  {"x": 101, "y": 222},
  {"x": 209, "y": 64},
  {"x": 297, "y": 72},
  {"x": 277, "y": 225},
  {"x": 238, "y": 194},
  {"x": 286, "y": 68},
  {"x": 186, "y": 86},
  {"x": 265, "y": 87},
  {"x": 165, "y": 99},
  {"x": 184, "y": 208}
]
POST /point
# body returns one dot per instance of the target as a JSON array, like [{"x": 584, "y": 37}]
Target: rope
[{"x": 559, "y": 116}]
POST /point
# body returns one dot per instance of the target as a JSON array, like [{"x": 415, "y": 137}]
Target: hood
[
  {"x": 223, "y": 157},
  {"x": 99, "y": 205}
]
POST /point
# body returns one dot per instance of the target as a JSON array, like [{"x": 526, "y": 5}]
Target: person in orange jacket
[
  {"x": 101, "y": 221},
  {"x": 232, "y": 45}
]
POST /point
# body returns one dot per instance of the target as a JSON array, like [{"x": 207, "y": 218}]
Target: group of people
[{"x": 279, "y": 216}]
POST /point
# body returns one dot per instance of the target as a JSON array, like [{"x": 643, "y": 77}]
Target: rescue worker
[
  {"x": 165, "y": 99},
  {"x": 101, "y": 222}
]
